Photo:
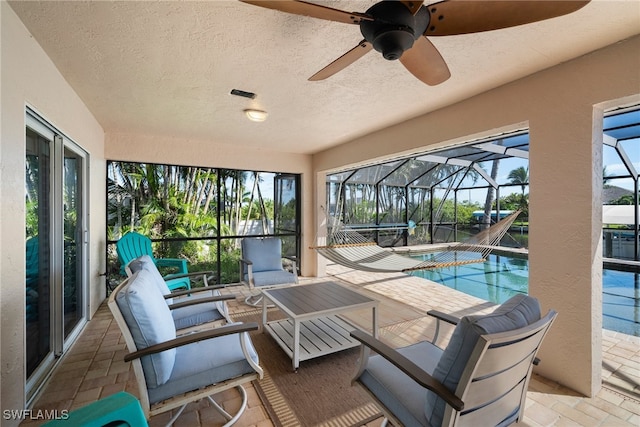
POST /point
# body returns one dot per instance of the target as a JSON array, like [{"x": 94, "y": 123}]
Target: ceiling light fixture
[{"x": 256, "y": 115}]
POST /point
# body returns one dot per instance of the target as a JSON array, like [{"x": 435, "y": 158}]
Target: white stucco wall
[
  {"x": 563, "y": 108},
  {"x": 28, "y": 77}
]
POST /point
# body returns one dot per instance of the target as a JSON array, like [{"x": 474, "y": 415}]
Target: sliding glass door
[{"x": 55, "y": 229}]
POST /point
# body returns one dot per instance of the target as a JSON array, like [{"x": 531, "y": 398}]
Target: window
[{"x": 200, "y": 213}]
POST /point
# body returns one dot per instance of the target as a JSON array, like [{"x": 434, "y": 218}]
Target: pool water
[{"x": 503, "y": 276}]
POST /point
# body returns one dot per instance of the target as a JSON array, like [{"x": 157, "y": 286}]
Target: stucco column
[
  {"x": 320, "y": 218},
  {"x": 565, "y": 247}
]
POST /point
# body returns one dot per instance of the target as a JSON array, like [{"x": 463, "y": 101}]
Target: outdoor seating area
[{"x": 95, "y": 366}]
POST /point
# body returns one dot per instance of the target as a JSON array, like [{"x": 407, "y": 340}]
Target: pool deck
[{"x": 94, "y": 368}]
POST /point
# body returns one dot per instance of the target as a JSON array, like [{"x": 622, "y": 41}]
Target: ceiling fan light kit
[
  {"x": 256, "y": 115},
  {"x": 399, "y": 29}
]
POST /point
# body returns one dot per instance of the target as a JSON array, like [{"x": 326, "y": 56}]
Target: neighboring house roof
[{"x": 611, "y": 193}]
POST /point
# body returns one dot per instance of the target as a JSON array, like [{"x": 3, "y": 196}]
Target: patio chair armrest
[
  {"x": 194, "y": 291},
  {"x": 192, "y": 338},
  {"x": 249, "y": 266},
  {"x": 440, "y": 316},
  {"x": 173, "y": 262},
  {"x": 409, "y": 368},
  {"x": 194, "y": 301},
  {"x": 444, "y": 317},
  {"x": 181, "y": 275}
]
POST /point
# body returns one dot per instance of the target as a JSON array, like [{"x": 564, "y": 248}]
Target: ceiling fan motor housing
[{"x": 394, "y": 29}]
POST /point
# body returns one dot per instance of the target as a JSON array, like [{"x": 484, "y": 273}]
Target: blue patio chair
[
  {"x": 479, "y": 379},
  {"x": 261, "y": 266},
  {"x": 171, "y": 371},
  {"x": 192, "y": 307},
  {"x": 133, "y": 245}
]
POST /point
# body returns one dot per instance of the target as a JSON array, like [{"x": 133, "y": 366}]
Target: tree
[
  {"x": 488, "y": 202},
  {"x": 520, "y": 176}
]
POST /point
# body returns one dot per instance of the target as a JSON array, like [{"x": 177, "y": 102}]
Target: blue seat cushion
[
  {"x": 517, "y": 312},
  {"x": 197, "y": 314},
  {"x": 145, "y": 262},
  {"x": 264, "y": 253},
  {"x": 204, "y": 363},
  {"x": 150, "y": 322},
  {"x": 399, "y": 393},
  {"x": 270, "y": 278}
]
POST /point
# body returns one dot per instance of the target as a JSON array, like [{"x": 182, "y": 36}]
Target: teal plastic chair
[
  {"x": 118, "y": 410},
  {"x": 133, "y": 245}
]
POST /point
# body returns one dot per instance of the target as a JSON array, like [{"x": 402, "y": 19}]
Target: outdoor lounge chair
[
  {"x": 479, "y": 379},
  {"x": 191, "y": 307},
  {"x": 133, "y": 245},
  {"x": 173, "y": 371},
  {"x": 261, "y": 267}
]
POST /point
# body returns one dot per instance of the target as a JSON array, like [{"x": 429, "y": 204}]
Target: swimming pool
[{"x": 503, "y": 276}]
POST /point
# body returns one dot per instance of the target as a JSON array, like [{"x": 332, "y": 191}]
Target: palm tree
[
  {"x": 519, "y": 176},
  {"x": 488, "y": 202}
]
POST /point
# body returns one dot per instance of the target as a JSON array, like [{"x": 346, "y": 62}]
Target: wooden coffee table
[{"x": 312, "y": 327}]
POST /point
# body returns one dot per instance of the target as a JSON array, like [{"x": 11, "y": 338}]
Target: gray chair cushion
[
  {"x": 145, "y": 262},
  {"x": 264, "y": 253},
  {"x": 517, "y": 312},
  {"x": 150, "y": 322},
  {"x": 270, "y": 278},
  {"x": 197, "y": 314},
  {"x": 184, "y": 317},
  {"x": 204, "y": 363},
  {"x": 399, "y": 393}
]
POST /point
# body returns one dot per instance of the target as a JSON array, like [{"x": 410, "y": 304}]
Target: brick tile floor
[{"x": 94, "y": 367}]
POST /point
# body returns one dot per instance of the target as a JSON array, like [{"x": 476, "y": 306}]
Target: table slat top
[{"x": 317, "y": 298}]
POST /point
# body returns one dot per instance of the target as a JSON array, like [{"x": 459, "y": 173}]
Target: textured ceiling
[{"x": 167, "y": 67}]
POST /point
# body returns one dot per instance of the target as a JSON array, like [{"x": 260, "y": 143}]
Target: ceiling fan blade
[
  {"x": 343, "y": 62},
  {"x": 413, "y": 6},
  {"x": 313, "y": 10},
  {"x": 451, "y": 17},
  {"x": 424, "y": 61}
]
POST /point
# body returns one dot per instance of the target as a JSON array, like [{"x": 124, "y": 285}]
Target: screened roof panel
[
  {"x": 339, "y": 176},
  {"x": 436, "y": 176},
  {"x": 408, "y": 172},
  {"x": 373, "y": 174},
  {"x": 475, "y": 159},
  {"x": 632, "y": 148},
  {"x": 624, "y": 133}
]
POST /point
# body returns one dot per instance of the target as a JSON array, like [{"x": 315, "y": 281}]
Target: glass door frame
[{"x": 59, "y": 144}]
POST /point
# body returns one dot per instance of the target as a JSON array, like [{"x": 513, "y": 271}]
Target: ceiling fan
[{"x": 399, "y": 29}]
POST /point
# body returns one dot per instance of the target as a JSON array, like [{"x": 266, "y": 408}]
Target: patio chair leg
[
  {"x": 255, "y": 301},
  {"x": 175, "y": 417},
  {"x": 231, "y": 419}
]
